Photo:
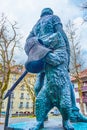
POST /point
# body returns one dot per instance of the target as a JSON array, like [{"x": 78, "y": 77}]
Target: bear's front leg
[{"x": 43, "y": 106}]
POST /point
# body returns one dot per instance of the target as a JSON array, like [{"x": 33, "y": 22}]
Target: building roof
[
  {"x": 19, "y": 69},
  {"x": 82, "y": 75}
]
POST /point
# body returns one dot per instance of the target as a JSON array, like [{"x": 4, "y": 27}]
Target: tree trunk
[
  {"x": 0, "y": 104},
  {"x": 33, "y": 107},
  {"x": 3, "y": 88},
  {"x": 80, "y": 95}
]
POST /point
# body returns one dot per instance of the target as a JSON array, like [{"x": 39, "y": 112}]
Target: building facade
[
  {"x": 21, "y": 100},
  {"x": 83, "y": 78}
]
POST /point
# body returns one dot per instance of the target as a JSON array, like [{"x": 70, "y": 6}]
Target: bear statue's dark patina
[
  {"x": 53, "y": 86},
  {"x": 56, "y": 89}
]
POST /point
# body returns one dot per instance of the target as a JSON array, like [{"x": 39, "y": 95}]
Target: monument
[
  {"x": 48, "y": 52},
  {"x": 53, "y": 85}
]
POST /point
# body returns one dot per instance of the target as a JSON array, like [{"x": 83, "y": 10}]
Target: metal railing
[
  {"x": 8, "y": 94},
  {"x": 7, "y": 113}
]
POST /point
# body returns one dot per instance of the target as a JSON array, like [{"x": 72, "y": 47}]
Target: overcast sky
[{"x": 27, "y": 12}]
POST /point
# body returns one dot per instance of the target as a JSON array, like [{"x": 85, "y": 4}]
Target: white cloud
[
  {"x": 78, "y": 21},
  {"x": 78, "y": 2},
  {"x": 27, "y": 12}
]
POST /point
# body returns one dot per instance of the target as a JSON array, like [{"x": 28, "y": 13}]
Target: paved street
[{"x": 54, "y": 122}]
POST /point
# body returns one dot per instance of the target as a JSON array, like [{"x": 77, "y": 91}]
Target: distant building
[
  {"x": 21, "y": 101},
  {"x": 83, "y": 77}
]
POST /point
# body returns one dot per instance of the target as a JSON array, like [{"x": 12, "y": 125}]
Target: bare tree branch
[{"x": 8, "y": 38}]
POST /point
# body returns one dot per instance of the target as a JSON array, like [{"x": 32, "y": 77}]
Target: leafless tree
[
  {"x": 9, "y": 41},
  {"x": 76, "y": 60}
]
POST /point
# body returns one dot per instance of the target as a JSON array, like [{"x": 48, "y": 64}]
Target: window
[
  {"x": 84, "y": 94},
  {"x": 27, "y": 104},
  {"x": 22, "y": 96},
  {"x": 11, "y": 104},
  {"x": 14, "y": 77},
  {"x": 21, "y": 105},
  {"x": 12, "y": 95},
  {"x": 86, "y": 107},
  {"x": 22, "y": 87},
  {"x": 31, "y": 104},
  {"x": 27, "y": 97},
  {"x": 19, "y": 69},
  {"x": 2, "y": 105},
  {"x": 85, "y": 83}
]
